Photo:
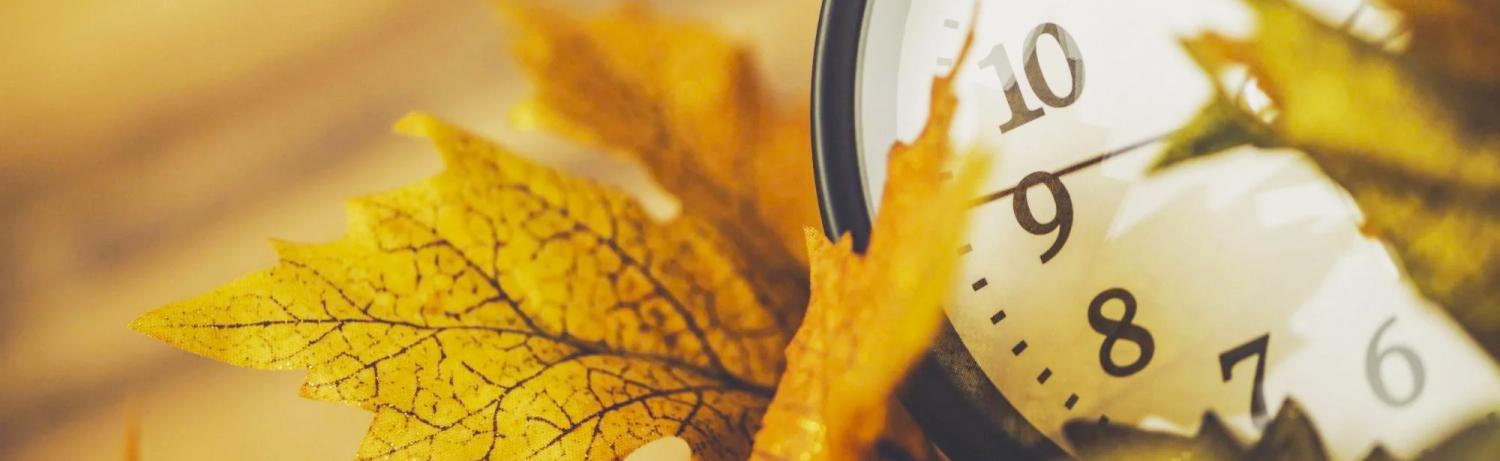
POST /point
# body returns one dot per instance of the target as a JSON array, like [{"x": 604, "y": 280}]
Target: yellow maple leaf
[
  {"x": 504, "y": 310},
  {"x": 872, "y": 316},
  {"x": 1409, "y": 136},
  {"x": 688, "y": 104}
]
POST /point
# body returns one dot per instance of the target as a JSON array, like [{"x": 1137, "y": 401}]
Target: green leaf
[{"x": 1218, "y": 126}]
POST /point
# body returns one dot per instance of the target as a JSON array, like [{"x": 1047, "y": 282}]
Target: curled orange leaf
[{"x": 871, "y": 316}]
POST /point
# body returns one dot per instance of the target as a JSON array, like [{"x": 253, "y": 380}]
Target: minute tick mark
[{"x": 950, "y": 24}]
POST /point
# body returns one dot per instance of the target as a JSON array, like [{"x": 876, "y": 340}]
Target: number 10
[{"x": 1020, "y": 113}]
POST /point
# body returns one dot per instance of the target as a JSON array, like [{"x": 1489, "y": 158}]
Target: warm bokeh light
[{"x": 148, "y": 150}]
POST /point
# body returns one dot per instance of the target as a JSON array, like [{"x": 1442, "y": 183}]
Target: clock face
[{"x": 1094, "y": 291}]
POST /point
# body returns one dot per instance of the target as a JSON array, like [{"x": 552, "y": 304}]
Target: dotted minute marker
[{"x": 950, "y": 24}]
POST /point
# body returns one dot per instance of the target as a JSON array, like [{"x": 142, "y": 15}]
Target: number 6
[{"x": 1376, "y": 358}]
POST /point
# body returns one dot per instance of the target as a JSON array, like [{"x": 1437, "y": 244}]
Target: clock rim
[{"x": 946, "y": 392}]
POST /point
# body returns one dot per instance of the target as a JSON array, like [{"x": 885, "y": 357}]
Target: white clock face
[{"x": 1110, "y": 294}]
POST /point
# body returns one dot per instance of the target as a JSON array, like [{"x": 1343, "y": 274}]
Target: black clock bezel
[{"x": 946, "y": 392}]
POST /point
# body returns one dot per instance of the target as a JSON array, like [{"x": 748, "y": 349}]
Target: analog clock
[{"x": 1093, "y": 291}]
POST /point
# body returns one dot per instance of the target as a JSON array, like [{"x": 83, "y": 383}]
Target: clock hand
[
  {"x": 1239, "y": 93},
  {"x": 997, "y": 195}
]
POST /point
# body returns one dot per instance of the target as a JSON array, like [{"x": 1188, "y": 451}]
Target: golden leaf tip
[
  {"x": 150, "y": 324},
  {"x": 418, "y": 124},
  {"x": 139, "y": 325},
  {"x": 439, "y": 132},
  {"x": 816, "y": 242},
  {"x": 526, "y": 115}
]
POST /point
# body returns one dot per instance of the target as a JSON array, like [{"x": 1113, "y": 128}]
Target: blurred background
[{"x": 149, "y": 148}]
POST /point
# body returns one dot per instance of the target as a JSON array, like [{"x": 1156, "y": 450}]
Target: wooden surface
[{"x": 148, "y": 150}]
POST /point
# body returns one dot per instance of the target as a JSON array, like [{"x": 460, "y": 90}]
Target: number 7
[{"x": 1256, "y": 347}]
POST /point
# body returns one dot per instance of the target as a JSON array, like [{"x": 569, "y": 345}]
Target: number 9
[{"x": 1062, "y": 220}]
